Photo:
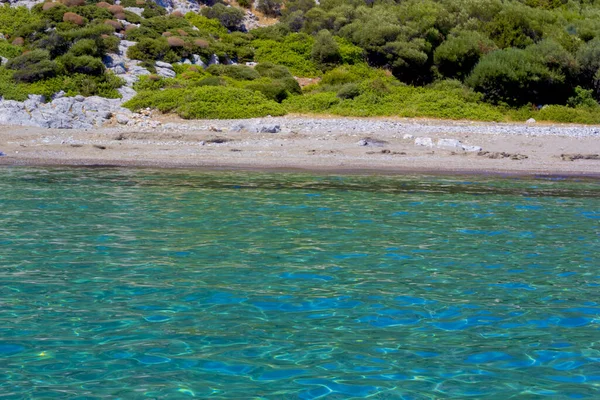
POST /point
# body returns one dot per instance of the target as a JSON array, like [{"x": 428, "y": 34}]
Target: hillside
[{"x": 459, "y": 59}]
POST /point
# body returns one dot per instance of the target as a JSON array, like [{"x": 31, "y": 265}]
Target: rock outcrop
[{"x": 62, "y": 112}]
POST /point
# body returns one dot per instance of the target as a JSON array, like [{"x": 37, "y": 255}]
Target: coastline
[{"x": 316, "y": 145}]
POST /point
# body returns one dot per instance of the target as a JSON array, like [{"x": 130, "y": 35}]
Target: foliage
[
  {"x": 230, "y": 17},
  {"x": 238, "y": 72},
  {"x": 14, "y": 18},
  {"x": 207, "y": 102},
  {"x": 325, "y": 52},
  {"x": 82, "y": 64},
  {"x": 271, "y": 8},
  {"x": 294, "y": 52},
  {"x": 206, "y": 26},
  {"x": 456, "y": 57},
  {"x": 516, "y": 77},
  {"x": 9, "y": 51}
]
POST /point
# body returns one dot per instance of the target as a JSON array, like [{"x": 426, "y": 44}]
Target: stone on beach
[{"x": 424, "y": 141}]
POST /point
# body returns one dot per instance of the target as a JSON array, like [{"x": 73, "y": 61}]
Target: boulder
[
  {"x": 449, "y": 144},
  {"x": 267, "y": 128},
  {"x": 135, "y": 10},
  {"x": 213, "y": 60},
  {"x": 530, "y": 121},
  {"x": 371, "y": 142},
  {"x": 165, "y": 72},
  {"x": 122, "y": 119},
  {"x": 196, "y": 60},
  {"x": 471, "y": 148},
  {"x": 424, "y": 141},
  {"x": 162, "y": 64}
]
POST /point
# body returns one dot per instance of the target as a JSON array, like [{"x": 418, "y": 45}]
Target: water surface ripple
[{"x": 132, "y": 284}]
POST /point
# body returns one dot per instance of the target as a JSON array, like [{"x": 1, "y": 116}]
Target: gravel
[{"x": 400, "y": 127}]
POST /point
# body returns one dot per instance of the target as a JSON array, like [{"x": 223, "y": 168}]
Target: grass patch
[{"x": 212, "y": 102}]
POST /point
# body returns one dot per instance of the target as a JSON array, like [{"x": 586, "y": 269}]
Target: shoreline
[
  {"x": 313, "y": 169},
  {"x": 325, "y": 145}
]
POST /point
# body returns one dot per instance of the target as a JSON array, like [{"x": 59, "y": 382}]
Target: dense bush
[
  {"x": 238, "y": 72},
  {"x": 149, "y": 49},
  {"x": 325, "y": 52},
  {"x": 271, "y": 8},
  {"x": 230, "y": 17},
  {"x": 82, "y": 64},
  {"x": 456, "y": 57},
  {"x": 9, "y": 51},
  {"x": 516, "y": 77},
  {"x": 207, "y": 102}
]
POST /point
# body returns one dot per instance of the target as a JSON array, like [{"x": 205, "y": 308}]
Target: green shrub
[
  {"x": 582, "y": 97},
  {"x": 230, "y": 17},
  {"x": 294, "y": 52},
  {"x": 325, "y": 52},
  {"x": 239, "y": 72},
  {"x": 28, "y": 59},
  {"x": 588, "y": 58},
  {"x": 578, "y": 115},
  {"x": 211, "y": 81},
  {"x": 271, "y": 8},
  {"x": 349, "y": 53},
  {"x": 206, "y": 26},
  {"x": 35, "y": 72},
  {"x": 245, "y": 3},
  {"x": 349, "y": 91},
  {"x": 514, "y": 77},
  {"x": 456, "y": 57},
  {"x": 311, "y": 103},
  {"x": 82, "y": 64},
  {"x": 14, "y": 18},
  {"x": 54, "y": 43},
  {"x": 85, "y": 47},
  {"x": 8, "y": 50},
  {"x": 149, "y": 49},
  {"x": 273, "y": 90},
  {"x": 270, "y": 70},
  {"x": 208, "y": 102}
]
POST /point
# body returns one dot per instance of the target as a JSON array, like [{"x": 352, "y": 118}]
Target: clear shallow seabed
[{"x": 131, "y": 284}]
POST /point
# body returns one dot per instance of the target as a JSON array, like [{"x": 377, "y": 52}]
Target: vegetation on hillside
[{"x": 476, "y": 59}]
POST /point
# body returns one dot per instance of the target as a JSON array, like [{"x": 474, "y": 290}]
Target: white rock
[
  {"x": 471, "y": 148},
  {"x": 408, "y": 136},
  {"x": 166, "y": 73},
  {"x": 162, "y": 64},
  {"x": 424, "y": 141},
  {"x": 449, "y": 143},
  {"x": 530, "y": 121},
  {"x": 122, "y": 119}
]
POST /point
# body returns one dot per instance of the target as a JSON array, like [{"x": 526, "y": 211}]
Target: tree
[
  {"x": 456, "y": 57},
  {"x": 325, "y": 51}
]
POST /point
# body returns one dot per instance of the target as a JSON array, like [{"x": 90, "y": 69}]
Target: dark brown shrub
[
  {"x": 181, "y": 32},
  {"x": 167, "y": 34},
  {"x": 74, "y": 18},
  {"x": 140, "y": 2},
  {"x": 120, "y": 16},
  {"x": 116, "y": 9},
  {"x": 48, "y": 5},
  {"x": 103, "y": 4},
  {"x": 177, "y": 14},
  {"x": 18, "y": 41},
  {"x": 153, "y": 77},
  {"x": 130, "y": 28},
  {"x": 203, "y": 44},
  {"x": 115, "y": 24},
  {"x": 175, "y": 42},
  {"x": 73, "y": 3}
]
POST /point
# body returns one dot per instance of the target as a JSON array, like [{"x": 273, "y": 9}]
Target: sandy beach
[{"x": 339, "y": 145}]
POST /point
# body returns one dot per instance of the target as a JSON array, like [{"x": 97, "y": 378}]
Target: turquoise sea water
[{"x": 172, "y": 284}]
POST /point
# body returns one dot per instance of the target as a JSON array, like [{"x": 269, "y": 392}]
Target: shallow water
[{"x": 173, "y": 284}]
